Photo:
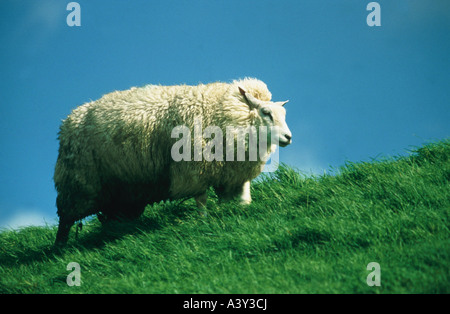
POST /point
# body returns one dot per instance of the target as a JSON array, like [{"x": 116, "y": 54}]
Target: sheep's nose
[{"x": 288, "y": 136}]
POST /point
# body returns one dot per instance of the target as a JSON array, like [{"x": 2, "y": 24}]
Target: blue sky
[{"x": 356, "y": 92}]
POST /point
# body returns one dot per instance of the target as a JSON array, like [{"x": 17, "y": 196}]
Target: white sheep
[{"x": 116, "y": 153}]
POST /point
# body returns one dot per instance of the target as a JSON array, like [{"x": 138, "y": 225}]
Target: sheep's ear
[
  {"x": 282, "y": 103},
  {"x": 250, "y": 99}
]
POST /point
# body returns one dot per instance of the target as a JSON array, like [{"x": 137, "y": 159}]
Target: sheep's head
[{"x": 272, "y": 114}]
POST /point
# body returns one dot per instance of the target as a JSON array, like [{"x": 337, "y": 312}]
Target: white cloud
[
  {"x": 305, "y": 160},
  {"x": 48, "y": 14},
  {"x": 42, "y": 19},
  {"x": 26, "y": 217}
]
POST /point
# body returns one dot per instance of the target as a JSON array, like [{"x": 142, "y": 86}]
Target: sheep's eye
[{"x": 266, "y": 112}]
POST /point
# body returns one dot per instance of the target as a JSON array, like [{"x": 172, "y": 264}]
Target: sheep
[{"x": 116, "y": 153}]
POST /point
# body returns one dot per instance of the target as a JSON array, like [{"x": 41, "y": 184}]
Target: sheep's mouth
[{"x": 285, "y": 143}]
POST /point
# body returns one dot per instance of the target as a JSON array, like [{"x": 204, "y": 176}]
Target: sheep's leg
[
  {"x": 71, "y": 207},
  {"x": 201, "y": 203},
  {"x": 239, "y": 192},
  {"x": 245, "y": 197},
  {"x": 63, "y": 232}
]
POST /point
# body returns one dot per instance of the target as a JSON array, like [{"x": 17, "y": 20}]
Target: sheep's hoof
[{"x": 102, "y": 218}]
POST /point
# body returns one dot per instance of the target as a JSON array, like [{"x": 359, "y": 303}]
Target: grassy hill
[{"x": 300, "y": 235}]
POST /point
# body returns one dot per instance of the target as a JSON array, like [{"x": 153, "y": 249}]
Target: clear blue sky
[{"x": 355, "y": 91}]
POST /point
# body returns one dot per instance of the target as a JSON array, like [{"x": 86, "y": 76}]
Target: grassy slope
[{"x": 300, "y": 235}]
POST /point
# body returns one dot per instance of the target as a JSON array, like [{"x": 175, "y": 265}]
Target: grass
[{"x": 300, "y": 235}]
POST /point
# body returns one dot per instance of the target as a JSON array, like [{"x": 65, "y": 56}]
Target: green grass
[{"x": 301, "y": 234}]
